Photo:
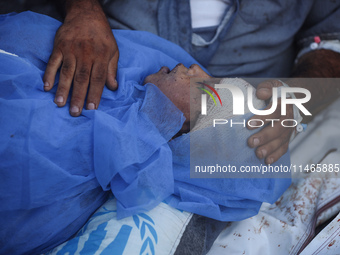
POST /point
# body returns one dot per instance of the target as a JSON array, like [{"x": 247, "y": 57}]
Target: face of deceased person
[{"x": 175, "y": 84}]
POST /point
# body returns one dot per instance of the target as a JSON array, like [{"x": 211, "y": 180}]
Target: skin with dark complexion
[{"x": 87, "y": 52}]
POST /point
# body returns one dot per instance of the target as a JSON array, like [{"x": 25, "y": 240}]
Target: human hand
[
  {"x": 273, "y": 140},
  {"x": 87, "y": 52}
]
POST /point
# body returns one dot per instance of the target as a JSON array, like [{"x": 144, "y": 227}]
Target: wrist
[{"x": 73, "y": 8}]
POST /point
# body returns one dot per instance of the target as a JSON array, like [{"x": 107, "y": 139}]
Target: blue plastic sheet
[
  {"x": 56, "y": 170},
  {"x": 53, "y": 167}
]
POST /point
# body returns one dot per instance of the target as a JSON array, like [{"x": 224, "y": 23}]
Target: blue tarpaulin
[{"x": 54, "y": 168}]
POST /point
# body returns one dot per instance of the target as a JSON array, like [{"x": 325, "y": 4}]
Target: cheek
[
  {"x": 149, "y": 79},
  {"x": 179, "y": 93},
  {"x": 161, "y": 81},
  {"x": 178, "y": 88},
  {"x": 175, "y": 87},
  {"x": 157, "y": 79}
]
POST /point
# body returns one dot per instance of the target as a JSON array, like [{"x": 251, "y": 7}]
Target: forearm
[
  {"x": 319, "y": 68},
  {"x": 71, "y": 8},
  {"x": 74, "y": 6}
]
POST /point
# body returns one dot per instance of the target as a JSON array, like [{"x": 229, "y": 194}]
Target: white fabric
[
  {"x": 296, "y": 111},
  {"x": 297, "y": 115},
  {"x": 281, "y": 228},
  {"x": 207, "y": 13},
  {"x": 327, "y": 242},
  {"x": 158, "y": 231},
  {"x": 333, "y": 45}
]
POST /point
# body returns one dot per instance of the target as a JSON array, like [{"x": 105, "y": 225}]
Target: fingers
[
  {"x": 65, "y": 80},
  {"x": 266, "y": 135},
  {"x": 277, "y": 154},
  {"x": 80, "y": 85},
  {"x": 83, "y": 75},
  {"x": 259, "y": 120},
  {"x": 111, "y": 81},
  {"x": 97, "y": 82},
  {"x": 272, "y": 141},
  {"x": 51, "y": 70},
  {"x": 264, "y": 89}
]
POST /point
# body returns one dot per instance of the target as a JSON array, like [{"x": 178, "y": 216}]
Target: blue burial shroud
[{"x": 56, "y": 170}]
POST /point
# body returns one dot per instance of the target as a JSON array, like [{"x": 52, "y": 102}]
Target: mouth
[{"x": 177, "y": 67}]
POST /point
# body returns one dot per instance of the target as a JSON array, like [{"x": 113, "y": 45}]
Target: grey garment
[
  {"x": 51, "y": 8},
  {"x": 199, "y": 235},
  {"x": 260, "y": 41}
]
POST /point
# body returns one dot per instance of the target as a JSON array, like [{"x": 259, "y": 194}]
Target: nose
[
  {"x": 196, "y": 70},
  {"x": 179, "y": 67},
  {"x": 165, "y": 69}
]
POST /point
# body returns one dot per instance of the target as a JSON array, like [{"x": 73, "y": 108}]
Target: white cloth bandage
[
  {"x": 333, "y": 45},
  {"x": 297, "y": 116},
  {"x": 226, "y": 112}
]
